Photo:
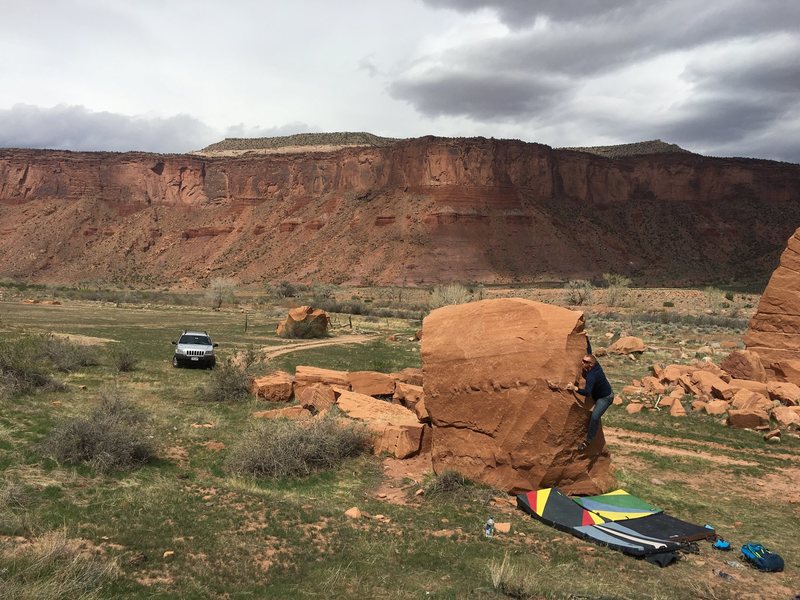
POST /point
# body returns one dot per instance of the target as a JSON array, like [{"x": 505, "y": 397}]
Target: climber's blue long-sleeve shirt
[{"x": 597, "y": 385}]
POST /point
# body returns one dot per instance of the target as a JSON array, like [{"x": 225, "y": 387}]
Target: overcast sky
[{"x": 719, "y": 77}]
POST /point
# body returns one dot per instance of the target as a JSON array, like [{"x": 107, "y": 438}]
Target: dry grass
[
  {"x": 53, "y": 567},
  {"x": 283, "y": 448}
]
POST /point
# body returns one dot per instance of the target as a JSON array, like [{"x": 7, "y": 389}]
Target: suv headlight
[{"x": 209, "y": 352}]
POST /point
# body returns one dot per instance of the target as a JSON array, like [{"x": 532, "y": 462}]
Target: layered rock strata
[
  {"x": 417, "y": 211},
  {"x": 774, "y": 331}
]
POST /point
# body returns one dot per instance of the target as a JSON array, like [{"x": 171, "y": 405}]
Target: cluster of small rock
[
  {"x": 737, "y": 390},
  {"x": 391, "y": 405}
]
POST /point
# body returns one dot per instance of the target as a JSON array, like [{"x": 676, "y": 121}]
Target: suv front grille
[{"x": 195, "y": 352}]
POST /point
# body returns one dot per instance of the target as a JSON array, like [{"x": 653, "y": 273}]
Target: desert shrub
[
  {"x": 229, "y": 381},
  {"x": 221, "y": 290},
  {"x": 446, "y": 482},
  {"x": 673, "y": 318},
  {"x": 729, "y": 296},
  {"x": 579, "y": 292},
  {"x": 283, "y": 448},
  {"x": 322, "y": 291},
  {"x": 123, "y": 360},
  {"x": 23, "y": 367},
  {"x": 284, "y": 289},
  {"x": 616, "y": 288},
  {"x": 114, "y": 436},
  {"x": 53, "y": 567},
  {"x": 452, "y": 293},
  {"x": 668, "y": 304},
  {"x": 714, "y": 298},
  {"x": 67, "y": 356}
]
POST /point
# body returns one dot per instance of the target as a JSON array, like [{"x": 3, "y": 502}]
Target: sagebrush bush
[
  {"x": 453, "y": 486},
  {"x": 114, "y": 436},
  {"x": 445, "y": 483},
  {"x": 123, "y": 360},
  {"x": 283, "y": 448},
  {"x": 67, "y": 356},
  {"x": 228, "y": 381},
  {"x": 616, "y": 288},
  {"x": 453, "y": 293},
  {"x": 23, "y": 367},
  {"x": 579, "y": 292}
]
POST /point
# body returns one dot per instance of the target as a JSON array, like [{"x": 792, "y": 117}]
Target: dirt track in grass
[{"x": 271, "y": 352}]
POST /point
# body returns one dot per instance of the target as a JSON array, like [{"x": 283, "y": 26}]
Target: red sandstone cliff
[{"x": 419, "y": 211}]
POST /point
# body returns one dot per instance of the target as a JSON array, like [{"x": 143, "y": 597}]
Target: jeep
[{"x": 194, "y": 348}]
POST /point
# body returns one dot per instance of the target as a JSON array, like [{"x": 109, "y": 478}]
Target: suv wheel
[{"x": 175, "y": 362}]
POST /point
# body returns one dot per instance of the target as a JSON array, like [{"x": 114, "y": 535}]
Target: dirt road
[{"x": 271, "y": 352}]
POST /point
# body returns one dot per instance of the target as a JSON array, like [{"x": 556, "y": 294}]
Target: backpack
[{"x": 761, "y": 558}]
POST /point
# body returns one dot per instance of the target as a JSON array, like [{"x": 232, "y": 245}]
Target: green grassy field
[{"x": 183, "y": 527}]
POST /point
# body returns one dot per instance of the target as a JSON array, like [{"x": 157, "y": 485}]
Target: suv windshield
[{"x": 200, "y": 340}]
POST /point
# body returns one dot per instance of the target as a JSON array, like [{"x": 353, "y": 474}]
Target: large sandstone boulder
[
  {"x": 495, "y": 373},
  {"x": 304, "y": 322},
  {"x": 774, "y": 331}
]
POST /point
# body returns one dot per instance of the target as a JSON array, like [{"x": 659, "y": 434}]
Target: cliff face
[{"x": 418, "y": 211}]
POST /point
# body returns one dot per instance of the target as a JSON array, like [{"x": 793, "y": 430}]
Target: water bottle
[{"x": 488, "y": 529}]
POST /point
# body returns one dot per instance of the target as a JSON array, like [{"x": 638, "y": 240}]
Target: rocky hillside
[
  {"x": 294, "y": 143},
  {"x": 417, "y": 211},
  {"x": 635, "y": 149}
]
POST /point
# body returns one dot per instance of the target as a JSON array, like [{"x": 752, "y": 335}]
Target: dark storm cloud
[
  {"x": 719, "y": 102},
  {"x": 76, "y": 128},
  {"x": 482, "y": 97},
  {"x": 522, "y": 12},
  {"x": 740, "y": 102}
]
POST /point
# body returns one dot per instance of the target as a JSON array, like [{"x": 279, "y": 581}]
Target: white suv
[{"x": 194, "y": 348}]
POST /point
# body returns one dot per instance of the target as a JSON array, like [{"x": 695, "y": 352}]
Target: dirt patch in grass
[
  {"x": 88, "y": 340},
  {"x": 402, "y": 476},
  {"x": 178, "y": 455}
]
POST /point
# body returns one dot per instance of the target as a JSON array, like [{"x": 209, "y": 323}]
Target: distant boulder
[
  {"x": 304, "y": 322},
  {"x": 626, "y": 345}
]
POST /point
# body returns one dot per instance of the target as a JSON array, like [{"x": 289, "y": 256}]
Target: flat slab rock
[
  {"x": 397, "y": 430},
  {"x": 494, "y": 377}
]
